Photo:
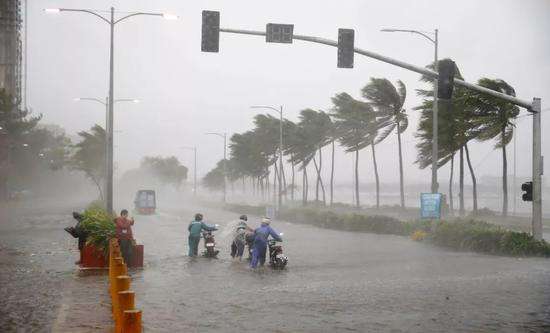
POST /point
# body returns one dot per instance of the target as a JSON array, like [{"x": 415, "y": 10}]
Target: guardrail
[{"x": 127, "y": 318}]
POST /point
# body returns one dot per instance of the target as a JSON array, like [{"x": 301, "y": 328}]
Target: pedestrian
[
  {"x": 261, "y": 235},
  {"x": 195, "y": 228},
  {"x": 124, "y": 235},
  {"x": 237, "y": 246}
]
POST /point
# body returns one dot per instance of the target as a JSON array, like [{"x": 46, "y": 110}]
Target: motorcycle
[
  {"x": 277, "y": 260},
  {"x": 209, "y": 245}
]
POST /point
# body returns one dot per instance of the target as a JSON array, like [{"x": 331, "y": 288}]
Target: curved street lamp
[{"x": 111, "y": 22}]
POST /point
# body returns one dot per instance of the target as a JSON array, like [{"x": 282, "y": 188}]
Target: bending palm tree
[
  {"x": 388, "y": 102},
  {"x": 494, "y": 119},
  {"x": 353, "y": 120}
]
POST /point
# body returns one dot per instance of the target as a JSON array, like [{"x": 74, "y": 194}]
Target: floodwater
[{"x": 335, "y": 282}]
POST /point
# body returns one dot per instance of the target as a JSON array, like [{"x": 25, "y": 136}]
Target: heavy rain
[{"x": 209, "y": 166}]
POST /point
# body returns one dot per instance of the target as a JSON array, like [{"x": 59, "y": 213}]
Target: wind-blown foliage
[
  {"x": 388, "y": 102},
  {"x": 89, "y": 156},
  {"x": 167, "y": 170}
]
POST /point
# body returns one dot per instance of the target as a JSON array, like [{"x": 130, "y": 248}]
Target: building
[{"x": 11, "y": 50}]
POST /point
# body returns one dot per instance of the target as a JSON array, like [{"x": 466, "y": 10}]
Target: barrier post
[
  {"x": 126, "y": 301},
  {"x": 132, "y": 321}
]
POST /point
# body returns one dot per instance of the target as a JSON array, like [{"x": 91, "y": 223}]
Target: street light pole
[
  {"x": 112, "y": 22},
  {"x": 224, "y": 136},
  {"x": 435, "y": 117},
  {"x": 280, "y": 112},
  {"x": 108, "y": 128},
  {"x": 194, "y": 149}
]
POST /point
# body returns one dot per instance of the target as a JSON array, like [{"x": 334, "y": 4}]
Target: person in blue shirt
[
  {"x": 261, "y": 235},
  {"x": 195, "y": 228}
]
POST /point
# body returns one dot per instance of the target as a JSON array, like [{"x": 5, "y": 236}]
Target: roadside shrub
[
  {"x": 458, "y": 234},
  {"x": 99, "y": 226},
  {"x": 419, "y": 235}
]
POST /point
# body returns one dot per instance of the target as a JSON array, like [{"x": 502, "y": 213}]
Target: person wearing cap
[
  {"x": 261, "y": 236},
  {"x": 237, "y": 246},
  {"x": 195, "y": 228}
]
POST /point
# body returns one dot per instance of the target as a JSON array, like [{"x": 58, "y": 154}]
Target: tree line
[{"x": 358, "y": 124}]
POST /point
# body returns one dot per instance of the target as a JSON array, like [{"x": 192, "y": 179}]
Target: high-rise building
[{"x": 11, "y": 47}]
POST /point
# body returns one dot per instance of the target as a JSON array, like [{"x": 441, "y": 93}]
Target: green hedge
[{"x": 458, "y": 234}]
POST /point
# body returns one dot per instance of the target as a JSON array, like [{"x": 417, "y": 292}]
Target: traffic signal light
[
  {"x": 279, "y": 33},
  {"x": 210, "y": 41},
  {"x": 445, "y": 82},
  {"x": 527, "y": 187},
  {"x": 346, "y": 46}
]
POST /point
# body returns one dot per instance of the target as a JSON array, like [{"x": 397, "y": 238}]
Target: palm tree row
[{"x": 358, "y": 124}]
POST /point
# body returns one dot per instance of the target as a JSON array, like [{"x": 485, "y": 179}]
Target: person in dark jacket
[
  {"x": 195, "y": 228},
  {"x": 260, "y": 242},
  {"x": 124, "y": 235}
]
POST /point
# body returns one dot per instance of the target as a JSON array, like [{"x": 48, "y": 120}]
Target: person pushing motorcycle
[
  {"x": 261, "y": 235},
  {"x": 239, "y": 240},
  {"x": 195, "y": 228}
]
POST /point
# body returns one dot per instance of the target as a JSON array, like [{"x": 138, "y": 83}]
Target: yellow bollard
[
  {"x": 125, "y": 302},
  {"x": 122, "y": 283},
  {"x": 131, "y": 321},
  {"x": 119, "y": 268}
]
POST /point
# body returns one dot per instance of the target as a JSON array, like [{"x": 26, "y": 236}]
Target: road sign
[
  {"x": 430, "y": 205},
  {"x": 279, "y": 33}
]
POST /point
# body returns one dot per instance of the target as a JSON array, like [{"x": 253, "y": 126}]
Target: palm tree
[
  {"x": 388, "y": 102},
  {"x": 353, "y": 120},
  {"x": 494, "y": 118},
  {"x": 456, "y": 129}
]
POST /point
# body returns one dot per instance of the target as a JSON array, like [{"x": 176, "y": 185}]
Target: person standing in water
[
  {"x": 260, "y": 242},
  {"x": 195, "y": 228},
  {"x": 124, "y": 235}
]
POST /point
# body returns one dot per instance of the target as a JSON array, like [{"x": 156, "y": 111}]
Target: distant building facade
[{"x": 10, "y": 47}]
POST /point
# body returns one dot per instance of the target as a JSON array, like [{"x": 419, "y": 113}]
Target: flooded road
[{"x": 335, "y": 282}]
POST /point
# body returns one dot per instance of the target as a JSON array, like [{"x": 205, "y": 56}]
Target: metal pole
[
  {"x": 195, "y": 172},
  {"x": 109, "y": 189},
  {"x": 106, "y": 172},
  {"x": 537, "y": 171},
  {"x": 280, "y": 158},
  {"x": 515, "y": 176},
  {"x": 435, "y": 121},
  {"x": 224, "y": 168}
]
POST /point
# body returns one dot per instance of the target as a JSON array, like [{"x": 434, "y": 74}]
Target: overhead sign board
[{"x": 279, "y": 33}]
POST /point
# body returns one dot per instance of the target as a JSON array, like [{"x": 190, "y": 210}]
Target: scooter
[
  {"x": 277, "y": 260},
  {"x": 209, "y": 245}
]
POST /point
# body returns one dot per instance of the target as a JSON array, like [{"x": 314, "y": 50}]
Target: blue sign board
[{"x": 430, "y": 205}]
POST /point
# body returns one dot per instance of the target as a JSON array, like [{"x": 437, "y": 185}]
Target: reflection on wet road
[{"x": 335, "y": 281}]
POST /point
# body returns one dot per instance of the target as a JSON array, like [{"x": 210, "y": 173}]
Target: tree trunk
[
  {"x": 283, "y": 184},
  {"x": 357, "y": 204},
  {"x": 376, "y": 176},
  {"x": 401, "y": 185},
  {"x": 504, "y": 176},
  {"x": 332, "y": 176},
  {"x": 292, "y": 187},
  {"x": 474, "y": 181},
  {"x": 276, "y": 178},
  {"x": 319, "y": 182},
  {"x": 461, "y": 210},
  {"x": 451, "y": 202},
  {"x": 306, "y": 184},
  {"x": 320, "y": 177}
]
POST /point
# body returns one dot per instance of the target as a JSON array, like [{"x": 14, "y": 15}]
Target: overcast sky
[{"x": 186, "y": 93}]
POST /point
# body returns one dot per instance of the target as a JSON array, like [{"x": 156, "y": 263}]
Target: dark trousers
[
  {"x": 126, "y": 250},
  {"x": 237, "y": 248},
  {"x": 194, "y": 245}
]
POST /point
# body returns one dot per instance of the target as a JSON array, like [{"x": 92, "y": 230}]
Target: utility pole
[
  {"x": 224, "y": 137},
  {"x": 111, "y": 21},
  {"x": 537, "y": 171},
  {"x": 194, "y": 149}
]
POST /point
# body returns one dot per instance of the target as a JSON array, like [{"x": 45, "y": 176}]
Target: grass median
[{"x": 456, "y": 234}]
